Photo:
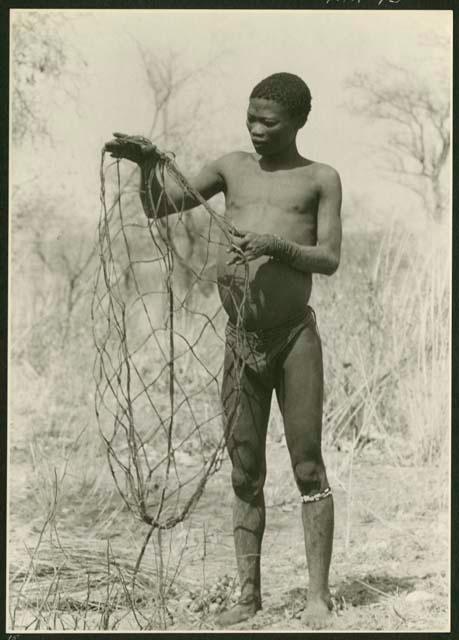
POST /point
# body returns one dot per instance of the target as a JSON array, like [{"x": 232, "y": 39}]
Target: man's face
[{"x": 272, "y": 129}]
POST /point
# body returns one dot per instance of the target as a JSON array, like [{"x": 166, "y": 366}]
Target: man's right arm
[
  {"x": 159, "y": 192},
  {"x": 161, "y": 195}
]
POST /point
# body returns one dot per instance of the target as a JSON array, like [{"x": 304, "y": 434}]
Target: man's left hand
[{"x": 247, "y": 245}]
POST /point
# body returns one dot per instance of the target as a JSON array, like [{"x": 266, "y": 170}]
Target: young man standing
[{"x": 285, "y": 210}]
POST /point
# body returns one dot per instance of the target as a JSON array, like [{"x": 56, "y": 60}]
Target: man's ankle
[
  {"x": 323, "y": 595},
  {"x": 250, "y": 598}
]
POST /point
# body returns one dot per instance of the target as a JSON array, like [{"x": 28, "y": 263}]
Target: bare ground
[{"x": 390, "y": 568}]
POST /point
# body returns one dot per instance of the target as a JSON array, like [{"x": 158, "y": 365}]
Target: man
[{"x": 285, "y": 212}]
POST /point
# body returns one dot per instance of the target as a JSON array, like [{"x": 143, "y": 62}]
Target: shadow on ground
[
  {"x": 356, "y": 591},
  {"x": 371, "y": 589}
]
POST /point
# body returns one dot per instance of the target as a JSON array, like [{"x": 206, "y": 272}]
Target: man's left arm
[{"x": 321, "y": 258}]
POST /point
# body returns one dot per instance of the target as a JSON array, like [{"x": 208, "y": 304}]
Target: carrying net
[{"x": 159, "y": 329}]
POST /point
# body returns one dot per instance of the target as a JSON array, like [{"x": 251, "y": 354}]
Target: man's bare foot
[
  {"x": 241, "y": 611},
  {"x": 318, "y": 612}
]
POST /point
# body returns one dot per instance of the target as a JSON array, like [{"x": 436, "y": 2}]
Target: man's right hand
[{"x": 134, "y": 148}]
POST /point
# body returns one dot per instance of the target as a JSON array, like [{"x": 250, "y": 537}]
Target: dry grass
[{"x": 387, "y": 356}]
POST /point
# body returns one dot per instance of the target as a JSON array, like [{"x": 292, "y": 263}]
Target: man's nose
[{"x": 257, "y": 130}]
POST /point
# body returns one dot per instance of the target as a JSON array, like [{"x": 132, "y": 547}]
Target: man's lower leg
[
  {"x": 248, "y": 526},
  {"x": 318, "y": 522}
]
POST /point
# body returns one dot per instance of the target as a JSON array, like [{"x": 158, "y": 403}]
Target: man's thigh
[
  {"x": 300, "y": 395},
  {"x": 246, "y": 405}
]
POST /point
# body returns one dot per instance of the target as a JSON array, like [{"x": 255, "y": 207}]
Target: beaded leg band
[{"x": 318, "y": 496}]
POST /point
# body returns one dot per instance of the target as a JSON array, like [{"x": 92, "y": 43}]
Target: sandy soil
[{"x": 390, "y": 566}]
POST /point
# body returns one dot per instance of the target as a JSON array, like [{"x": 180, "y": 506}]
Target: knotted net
[{"x": 158, "y": 328}]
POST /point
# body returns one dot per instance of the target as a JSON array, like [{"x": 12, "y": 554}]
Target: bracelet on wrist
[{"x": 276, "y": 246}]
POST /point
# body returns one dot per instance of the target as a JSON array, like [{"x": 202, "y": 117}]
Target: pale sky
[{"x": 236, "y": 49}]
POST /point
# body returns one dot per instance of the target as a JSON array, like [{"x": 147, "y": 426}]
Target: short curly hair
[{"x": 287, "y": 89}]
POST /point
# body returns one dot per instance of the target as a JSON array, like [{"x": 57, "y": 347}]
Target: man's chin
[{"x": 263, "y": 150}]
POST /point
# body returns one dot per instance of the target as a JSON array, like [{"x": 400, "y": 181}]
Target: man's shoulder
[
  {"x": 233, "y": 156},
  {"x": 324, "y": 171},
  {"x": 230, "y": 163},
  {"x": 327, "y": 177}
]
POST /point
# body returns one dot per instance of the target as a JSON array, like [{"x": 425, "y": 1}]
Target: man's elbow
[
  {"x": 149, "y": 212},
  {"x": 153, "y": 212},
  {"x": 331, "y": 265}
]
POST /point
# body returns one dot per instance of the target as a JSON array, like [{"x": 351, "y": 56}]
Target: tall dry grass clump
[{"x": 385, "y": 323}]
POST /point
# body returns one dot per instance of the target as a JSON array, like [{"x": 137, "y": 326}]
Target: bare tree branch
[
  {"x": 39, "y": 57},
  {"x": 416, "y": 118}
]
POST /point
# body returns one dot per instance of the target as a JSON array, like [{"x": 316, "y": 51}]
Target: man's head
[{"x": 279, "y": 106}]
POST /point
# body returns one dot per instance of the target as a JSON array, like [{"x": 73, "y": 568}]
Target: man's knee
[
  {"x": 247, "y": 486},
  {"x": 310, "y": 476}
]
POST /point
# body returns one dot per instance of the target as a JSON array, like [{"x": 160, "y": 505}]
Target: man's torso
[{"x": 281, "y": 202}]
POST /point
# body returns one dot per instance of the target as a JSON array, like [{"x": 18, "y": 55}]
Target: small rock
[
  {"x": 380, "y": 546},
  {"x": 419, "y": 596}
]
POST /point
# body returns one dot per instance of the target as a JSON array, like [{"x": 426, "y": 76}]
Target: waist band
[{"x": 305, "y": 317}]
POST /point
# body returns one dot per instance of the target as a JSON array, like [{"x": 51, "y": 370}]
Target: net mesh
[{"x": 158, "y": 328}]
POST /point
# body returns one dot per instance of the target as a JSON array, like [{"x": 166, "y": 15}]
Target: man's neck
[{"x": 285, "y": 159}]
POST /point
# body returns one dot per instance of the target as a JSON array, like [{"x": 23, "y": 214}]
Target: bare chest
[{"x": 289, "y": 191}]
